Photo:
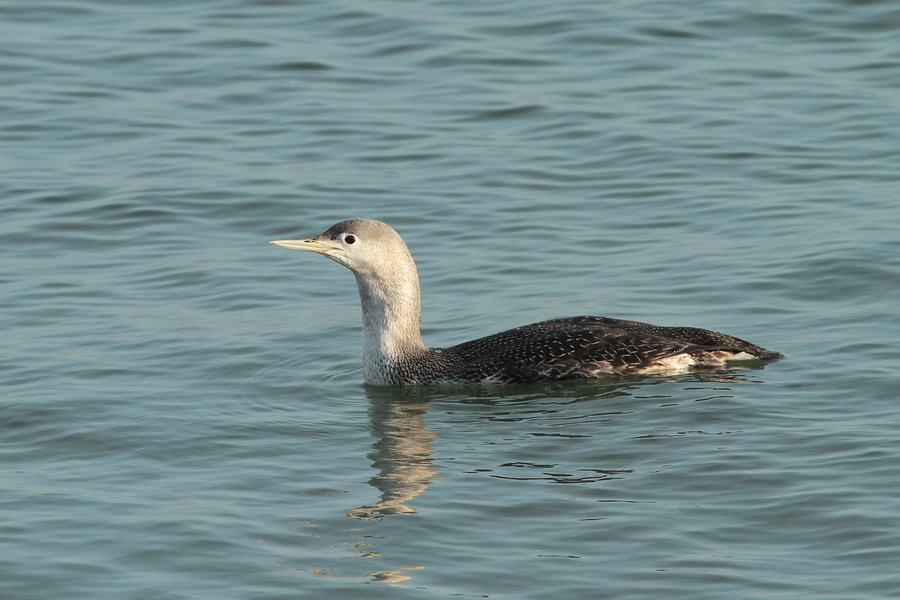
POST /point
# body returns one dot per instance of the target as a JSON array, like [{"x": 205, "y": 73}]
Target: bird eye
[{"x": 350, "y": 239}]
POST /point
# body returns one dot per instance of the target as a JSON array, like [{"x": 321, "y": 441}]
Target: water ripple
[{"x": 183, "y": 406}]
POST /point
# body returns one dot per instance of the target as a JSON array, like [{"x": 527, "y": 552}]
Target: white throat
[{"x": 391, "y": 313}]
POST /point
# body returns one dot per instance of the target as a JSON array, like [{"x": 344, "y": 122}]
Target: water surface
[{"x": 183, "y": 413}]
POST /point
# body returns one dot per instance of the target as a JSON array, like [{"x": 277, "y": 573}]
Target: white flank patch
[
  {"x": 672, "y": 364},
  {"x": 742, "y": 356}
]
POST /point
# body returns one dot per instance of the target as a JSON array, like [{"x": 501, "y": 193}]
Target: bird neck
[{"x": 391, "y": 314}]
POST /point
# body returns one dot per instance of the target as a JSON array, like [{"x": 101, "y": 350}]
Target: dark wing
[
  {"x": 702, "y": 340},
  {"x": 565, "y": 348}
]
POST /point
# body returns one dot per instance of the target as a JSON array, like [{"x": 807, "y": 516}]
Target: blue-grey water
[{"x": 182, "y": 412}]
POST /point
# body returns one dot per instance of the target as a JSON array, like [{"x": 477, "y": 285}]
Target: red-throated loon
[{"x": 574, "y": 347}]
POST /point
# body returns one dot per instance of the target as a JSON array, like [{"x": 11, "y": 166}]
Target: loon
[{"x": 567, "y": 348}]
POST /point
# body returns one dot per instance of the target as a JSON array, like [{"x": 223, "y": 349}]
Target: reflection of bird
[
  {"x": 401, "y": 455},
  {"x": 558, "y": 349}
]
